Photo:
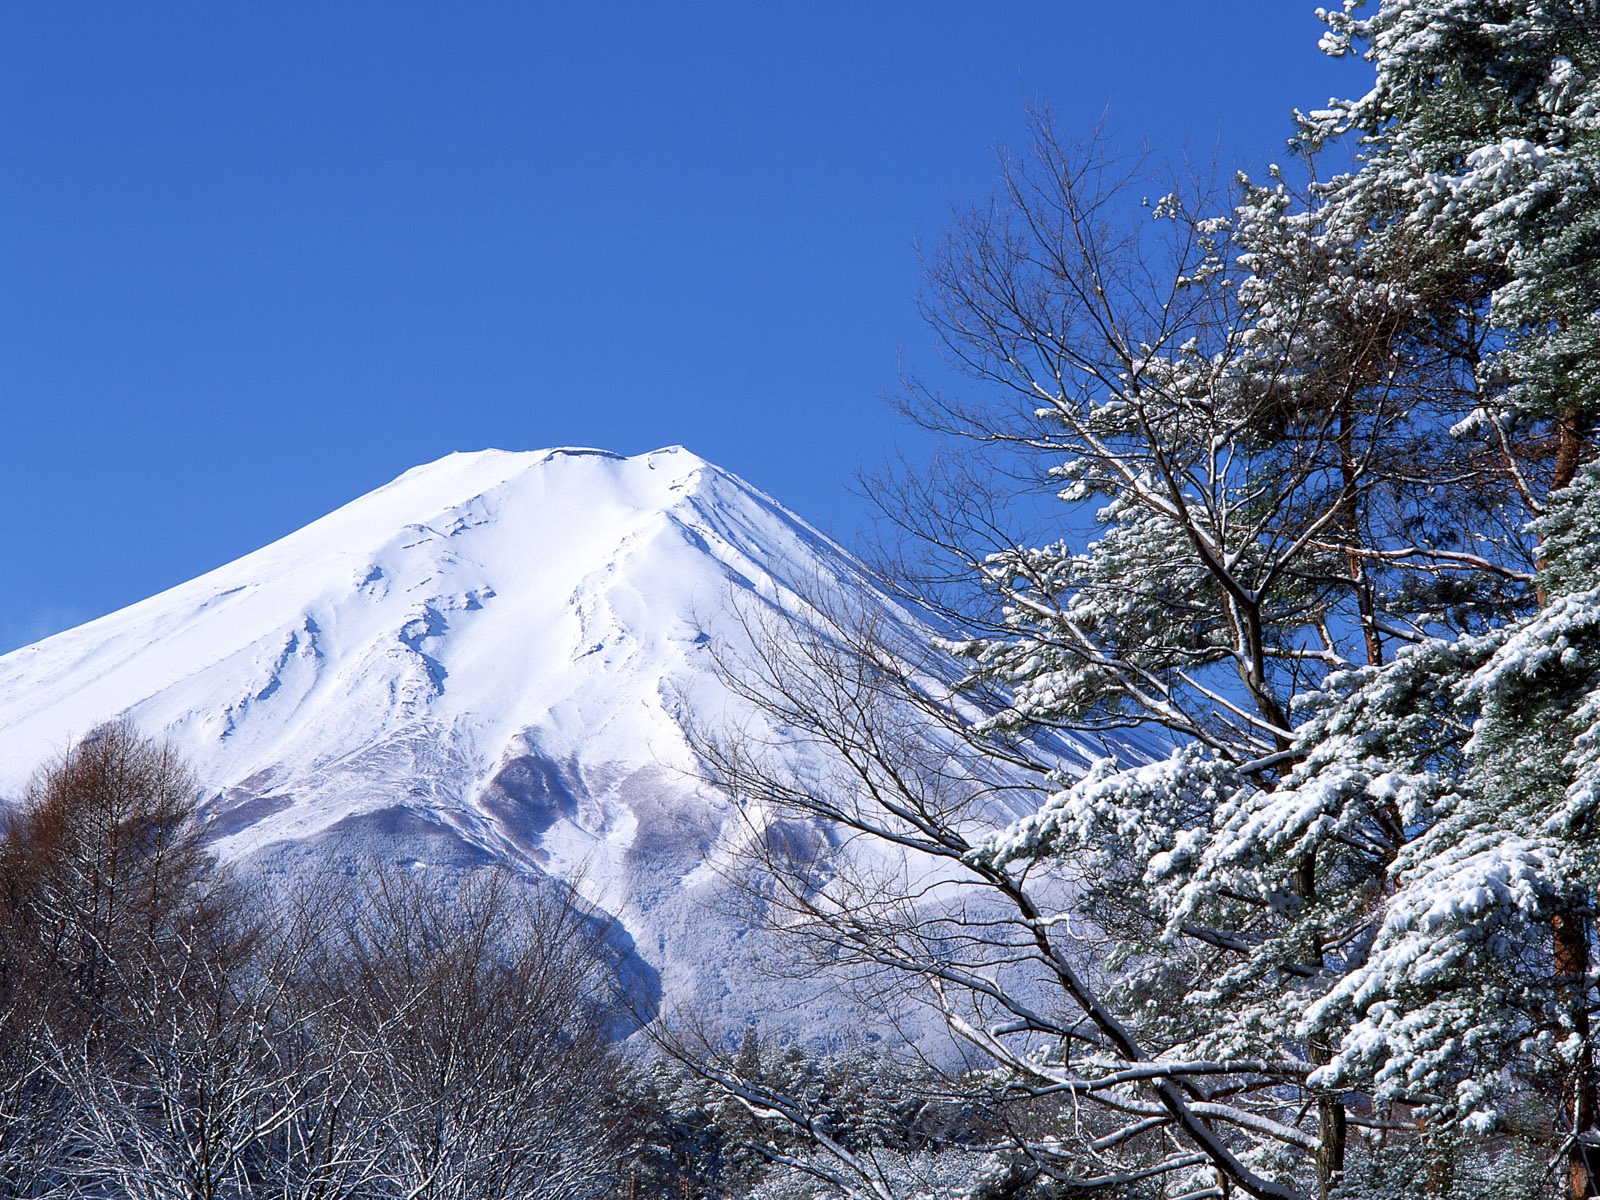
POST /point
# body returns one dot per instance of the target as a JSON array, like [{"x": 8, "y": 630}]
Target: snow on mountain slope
[
  {"x": 491, "y": 657},
  {"x": 475, "y": 598}
]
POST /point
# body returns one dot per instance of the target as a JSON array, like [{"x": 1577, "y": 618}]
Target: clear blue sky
[{"x": 256, "y": 259}]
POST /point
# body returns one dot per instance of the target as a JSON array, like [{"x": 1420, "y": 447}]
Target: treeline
[
  {"x": 167, "y": 1030},
  {"x": 173, "y": 1030}
]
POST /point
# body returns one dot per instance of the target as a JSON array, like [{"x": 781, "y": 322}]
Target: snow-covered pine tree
[
  {"x": 1449, "y": 282},
  {"x": 1281, "y": 504},
  {"x": 1479, "y": 172},
  {"x": 1302, "y": 431},
  {"x": 1244, "y": 396},
  {"x": 1465, "y": 1003},
  {"x": 1322, "y": 442},
  {"x": 1480, "y": 175}
]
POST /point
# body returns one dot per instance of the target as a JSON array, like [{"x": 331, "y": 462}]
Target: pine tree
[
  {"x": 1465, "y": 997},
  {"x": 1480, "y": 173},
  {"x": 1330, "y": 540},
  {"x": 1353, "y": 853}
]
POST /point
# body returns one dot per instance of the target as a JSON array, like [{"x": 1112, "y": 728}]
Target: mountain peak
[
  {"x": 494, "y": 657},
  {"x": 474, "y": 593}
]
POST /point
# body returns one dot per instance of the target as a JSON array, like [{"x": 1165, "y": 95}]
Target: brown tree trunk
[
  {"x": 1569, "y": 448},
  {"x": 1569, "y": 453},
  {"x": 1569, "y": 931},
  {"x": 1440, "y": 1169},
  {"x": 1571, "y": 938},
  {"x": 1331, "y": 1130}
]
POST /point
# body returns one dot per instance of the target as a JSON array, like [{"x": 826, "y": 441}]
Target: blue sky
[{"x": 257, "y": 259}]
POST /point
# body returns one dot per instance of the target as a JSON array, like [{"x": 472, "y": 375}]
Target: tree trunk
[
  {"x": 1569, "y": 931},
  {"x": 1569, "y": 448},
  {"x": 1331, "y": 1122},
  {"x": 1572, "y": 970},
  {"x": 1331, "y": 1130}
]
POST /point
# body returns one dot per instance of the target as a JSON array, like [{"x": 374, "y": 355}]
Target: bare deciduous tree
[
  {"x": 176, "y": 1034},
  {"x": 480, "y": 1025}
]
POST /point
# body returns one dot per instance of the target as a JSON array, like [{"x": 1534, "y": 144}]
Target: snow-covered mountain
[{"x": 492, "y": 657}]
